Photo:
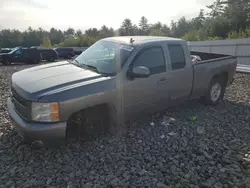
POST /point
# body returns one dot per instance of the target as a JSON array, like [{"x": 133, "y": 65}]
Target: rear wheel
[
  {"x": 51, "y": 59},
  {"x": 216, "y": 91},
  {"x": 35, "y": 61},
  {"x": 68, "y": 56}
]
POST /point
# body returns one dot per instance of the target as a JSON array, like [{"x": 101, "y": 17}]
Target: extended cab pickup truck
[{"x": 115, "y": 79}]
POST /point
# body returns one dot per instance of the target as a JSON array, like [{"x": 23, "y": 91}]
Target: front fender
[{"x": 67, "y": 108}]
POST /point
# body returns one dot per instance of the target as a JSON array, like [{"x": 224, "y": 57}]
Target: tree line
[{"x": 226, "y": 19}]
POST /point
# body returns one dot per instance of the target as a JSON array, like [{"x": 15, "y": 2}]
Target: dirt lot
[{"x": 190, "y": 146}]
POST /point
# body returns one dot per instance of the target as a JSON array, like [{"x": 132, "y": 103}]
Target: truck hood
[
  {"x": 4, "y": 54},
  {"x": 35, "y": 82}
]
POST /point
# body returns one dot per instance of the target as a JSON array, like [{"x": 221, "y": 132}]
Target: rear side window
[
  {"x": 43, "y": 51},
  {"x": 152, "y": 58},
  {"x": 52, "y": 52},
  {"x": 69, "y": 50},
  {"x": 66, "y": 49},
  {"x": 177, "y": 56},
  {"x": 26, "y": 52},
  {"x": 49, "y": 51},
  {"x": 30, "y": 52}
]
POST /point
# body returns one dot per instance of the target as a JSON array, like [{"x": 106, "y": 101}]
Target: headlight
[{"x": 45, "y": 112}]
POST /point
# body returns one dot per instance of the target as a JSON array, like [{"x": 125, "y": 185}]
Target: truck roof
[{"x": 137, "y": 40}]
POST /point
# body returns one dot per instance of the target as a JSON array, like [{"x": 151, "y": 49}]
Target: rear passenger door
[
  {"x": 180, "y": 72},
  {"x": 147, "y": 94},
  {"x": 59, "y": 52},
  {"x": 18, "y": 56},
  {"x": 44, "y": 54},
  {"x": 27, "y": 55}
]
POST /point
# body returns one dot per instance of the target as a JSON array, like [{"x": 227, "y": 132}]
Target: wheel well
[
  {"x": 97, "y": 113},
  {"x": 223, "y": 76}
]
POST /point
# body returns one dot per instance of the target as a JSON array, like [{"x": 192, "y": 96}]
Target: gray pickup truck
[{"x": 113, "y": 81}]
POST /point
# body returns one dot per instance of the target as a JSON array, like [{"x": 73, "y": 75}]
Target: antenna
[{"x": 132, "y": 40}]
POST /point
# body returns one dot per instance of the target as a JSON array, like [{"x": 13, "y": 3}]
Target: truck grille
[{"x": 22, "y": 106}]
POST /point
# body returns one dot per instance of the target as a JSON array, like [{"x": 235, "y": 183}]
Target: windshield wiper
[
  {"x": 75, "y": 62},
  {"x": 91, "y": 67},
  {"x": 86, "y": 66},
  {"x": 82, "y": 65}
]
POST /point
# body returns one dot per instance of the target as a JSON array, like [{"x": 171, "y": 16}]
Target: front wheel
[
  {"x": 215, "y": 91},
  {"x": 88, "y": 124},
  {"x": 35, "y": 61},
  {"x": 7, "y": 62}
]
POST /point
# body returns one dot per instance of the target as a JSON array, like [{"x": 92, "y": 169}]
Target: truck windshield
[
  {"x": 13, "y": 50},
  {"x": 106, "y": 57}
]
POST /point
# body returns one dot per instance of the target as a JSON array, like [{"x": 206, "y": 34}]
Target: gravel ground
[{"x": 189, "y": 146}]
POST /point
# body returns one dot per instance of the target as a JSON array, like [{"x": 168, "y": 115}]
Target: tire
[
  {"x": 30, "y": 62},
  {"x": 215, "y": 91},
  {"x": 68, "y": 56},
  {"x": 87, "y": 124},
  {"x": 36, "y": 61},
  {"x": 7, "y": 62},
  {"x": 51, "y": 59}
]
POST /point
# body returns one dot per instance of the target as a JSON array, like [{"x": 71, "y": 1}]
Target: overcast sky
[{"x": 82, "y": 14}]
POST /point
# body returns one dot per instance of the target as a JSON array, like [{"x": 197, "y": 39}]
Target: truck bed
[
  {"x": 209, "y": 66},
  {"x": 209, "y": 56}
]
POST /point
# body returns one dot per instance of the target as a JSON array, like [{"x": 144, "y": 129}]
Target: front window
[
  {"x": 153, "y": 59},
  {"x": 13, "y": 51},
  {"x": 18, "y": 52},
  {"x": 105, "y": 57}
]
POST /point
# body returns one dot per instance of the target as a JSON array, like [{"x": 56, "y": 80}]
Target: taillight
[{"x": 235, "y": 67}]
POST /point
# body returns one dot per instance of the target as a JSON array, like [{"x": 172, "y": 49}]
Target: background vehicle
[
  {"x": 66, "y": 53},
  {"x": 22, "y": 55},
  {"x": 114, "y": 80},
  {"x": 5, "y": 50},
  {"x": 48, "y": 54}
]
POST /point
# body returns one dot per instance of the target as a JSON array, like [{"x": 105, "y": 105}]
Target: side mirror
[{"x": 139, "y": 72}]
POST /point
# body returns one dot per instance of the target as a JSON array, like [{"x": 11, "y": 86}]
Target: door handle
[{"x": 162, "y": 81}]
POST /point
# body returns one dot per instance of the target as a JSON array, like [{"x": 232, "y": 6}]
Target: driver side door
[
  {"x": 146, "y": 95},
  {"x": 17, "y": 56}
]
